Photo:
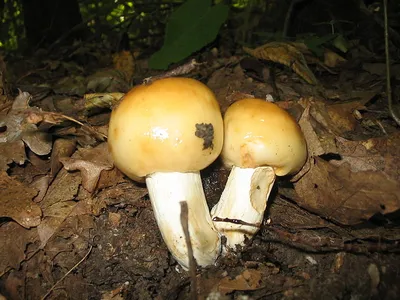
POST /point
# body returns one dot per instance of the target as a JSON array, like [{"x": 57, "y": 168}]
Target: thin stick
[
  {"x": 192, "y": 261},
  {"x": 314, "y": 243},
  {"x": 66, "y": 274},
  {"x": 235, "y": 221},
  {"x": 180, "y": 70},
  {"x": 394, "y": 115},
  {"x": 288, "y": 17}
]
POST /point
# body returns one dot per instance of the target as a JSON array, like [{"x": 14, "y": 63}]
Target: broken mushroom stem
[
  {"x": 261, "y": 141},
  {"x": 244, "y": 198}
]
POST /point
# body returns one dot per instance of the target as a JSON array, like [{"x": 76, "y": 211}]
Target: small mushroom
[
  {"x": 164, "y": 133},
  {"x": 261, "y": 141}
]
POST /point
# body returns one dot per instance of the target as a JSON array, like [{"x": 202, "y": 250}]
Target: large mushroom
[
  {"x": 165, "y": 133},
  {"x": 261, "y": 141}
]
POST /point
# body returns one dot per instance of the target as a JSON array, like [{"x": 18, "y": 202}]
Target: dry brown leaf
[
  {"x": 287, "y": 55},
  {"x": 101, "y": 100},
  {"x": 16, "y": 202},
  {"x": 14, "y": 286},
  {"x": 86, "y": 136},
  {"x": 290, "y": 215},
  {"x": 315, "y": 126},
  {"x": 260, "y": 276},
  {"x": 36, "y": 269},
  {"x": 41, "y": 184},
  {"x": 18, "y": 126},
  {"x": 322, "y": 123},
  {"x": 364, "y": 182},
  {"x": 91, "y": 162},
  {"x": 110, "y": 178},
  {"x": 61, "y": 148},
  {"x": 123, "y": 193},
  {"x": 249, "y": 280},
  {"x": 47, "y": 119},
  {"x": 73, "y": 236},
  {"x": 342, "y": 116},
  {"x": 336, "y": 119},
  {"x": 58, "y": 204},
  {"x": 14, "y": 239},
  {"x": 12, "y": 152},
  {"x": 375, "y": 154},
  {"x": 344, "y": 196},
  {"x": 39, "y": 142},
  {"x": 338, "y": 262},
  {"x": 332, "y": 59}
]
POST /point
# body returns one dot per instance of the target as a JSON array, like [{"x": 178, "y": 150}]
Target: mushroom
[
  {"x": 261, "y": 141},
  {"x": 164, "y": 133}
]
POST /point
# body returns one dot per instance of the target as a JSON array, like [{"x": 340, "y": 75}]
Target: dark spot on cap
[{"x": 205, "y": 132}]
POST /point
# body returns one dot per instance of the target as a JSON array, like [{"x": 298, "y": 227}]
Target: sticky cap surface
[
  {"x": 170, "y": 125},
  {"x": 259, "y": 133}
]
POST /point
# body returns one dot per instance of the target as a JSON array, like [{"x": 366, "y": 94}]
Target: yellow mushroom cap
[
  {"x": 259, "y": 133},
  {"x": 170, "y": 125}
]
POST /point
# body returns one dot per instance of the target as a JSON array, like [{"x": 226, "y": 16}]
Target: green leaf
[
  {"x": 191, "y": 27},
  {"x": 315, "y": 43},
  {"x": 341, "y": 43}
]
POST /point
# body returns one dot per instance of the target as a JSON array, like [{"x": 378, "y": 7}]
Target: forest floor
[{"x": 74, "y": 227}]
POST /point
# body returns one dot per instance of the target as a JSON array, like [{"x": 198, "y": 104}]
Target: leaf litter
[{"x": 78, "y": 216}]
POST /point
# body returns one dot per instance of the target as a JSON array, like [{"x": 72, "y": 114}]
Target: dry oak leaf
[
  {"x": 287, "y": 55},
  {"x": 12, "y": 152},
  {"x": 315, "y": 126},
  {"x": 91, "y": 162},
  {"x": 375, "y": 154},
  {"x": 14, "y": 239},
  {"x": 331, "y": 59},
  {"x": 58, "y": 204},
  {"x": 16, "y": 202},
  {"x": 19, "y": 125},
  {"x": 341, "y": 115},
  {"x": 321, "y": 123},
  {"x": 344, "y": 196},
  {"x": 61, "y": 148},
  {"x": 336, "y": 118},
  {"x": 249, "y": 280}
]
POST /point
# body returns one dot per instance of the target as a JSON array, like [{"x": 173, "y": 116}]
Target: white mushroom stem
[
  {"x": 166, "y": 191},
  {"x": 244, "y": 198}
]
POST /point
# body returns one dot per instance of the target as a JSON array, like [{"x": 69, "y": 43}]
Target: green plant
[
  {"x": 190, "y": 27},
  {"x": 11, "y": 29}
]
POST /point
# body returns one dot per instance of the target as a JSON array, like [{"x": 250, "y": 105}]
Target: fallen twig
[
  {"x": 192, "y": 261},
  {"x": 181, "y": 70},
  {"x": 66, "y": 274},
  {"x": 311, "y": 242},
  {"x": 392, "y": 111}
]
